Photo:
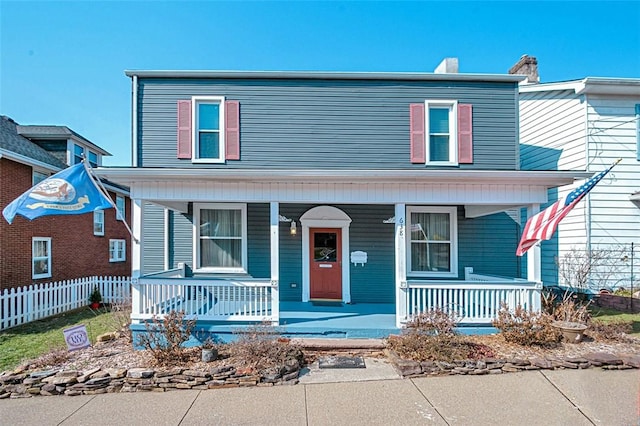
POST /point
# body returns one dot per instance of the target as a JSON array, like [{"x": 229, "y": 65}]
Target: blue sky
[{"x": 62, "y": 63}]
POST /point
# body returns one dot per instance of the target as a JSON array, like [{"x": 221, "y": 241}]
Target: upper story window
[
  {"x": 40, "y": 257},
  {"x": 433, "y": 241},
  {"x": 220, "y": 237},
  {"x": 208, "y": 131},
  {"x": 78, "y": 154},
  {"x": 93, "y": 159},
  {"x": 441, "y": 133},
  {"x": 120, "y": 208},
  {"x": 98, "y": 222},
  {"x": 38, "y": 177}
]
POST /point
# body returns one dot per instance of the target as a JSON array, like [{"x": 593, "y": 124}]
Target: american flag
[{"x": 544, "y": 224}]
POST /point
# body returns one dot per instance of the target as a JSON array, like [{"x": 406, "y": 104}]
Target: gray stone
[
  {"x": 116, "y": 373},
  {"x": 631, "y": 360},
  {"x": 604, "y": 358},
  {"x": 98, "y": 381},
  {"x": 542, "y": 363},
  {"x": 140, "y": 373},
  {"x": 196, "y": 373},
  {"x": 407, "y": 368},
  {"x": 41, "y": 374}
]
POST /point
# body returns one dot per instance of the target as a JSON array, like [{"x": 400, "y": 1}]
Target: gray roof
[
  {"x": 326, "y": 75},
  {"x": 13, "y": 142},
  {"x": 47, "y": 132}
]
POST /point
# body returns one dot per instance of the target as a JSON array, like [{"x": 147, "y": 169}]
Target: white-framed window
[
  {"x": 220, "y": 237},
  {"x": 208, "y": 129},
  {"x": 121, "y": 213},
  {"x": 117, "y": 251},
  {"x": 441, "y": 118},
  {"x": 432, "y": 244},
  {"x": 40, "y": 257},
  {"x": 98, "y": 222},
  {"x": 78, "y": 154},
  {"x": 93, "y": 159},
  {"x": 38, "y": 176}
]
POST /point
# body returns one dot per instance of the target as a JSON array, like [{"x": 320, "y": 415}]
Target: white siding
[
  {"x": 612, "y": 135},
  {"x": 586, "y": 132},
  {"x": 561, "y": 135}
]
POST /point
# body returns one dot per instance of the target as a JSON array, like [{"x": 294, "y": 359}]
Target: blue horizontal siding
[{"x": 327, "y": 124}]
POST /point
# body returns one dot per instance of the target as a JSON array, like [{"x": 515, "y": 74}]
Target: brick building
[{"x": 54, "y": 248}]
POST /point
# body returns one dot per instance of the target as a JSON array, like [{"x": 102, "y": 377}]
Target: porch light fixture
[{"x": 293, "y": 229}]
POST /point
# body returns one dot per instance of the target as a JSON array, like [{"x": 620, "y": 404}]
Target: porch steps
[{"x": 339, "y": 344}]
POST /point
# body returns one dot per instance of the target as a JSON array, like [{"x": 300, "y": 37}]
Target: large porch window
[
  {"x": 432, "y": 242},
  {"x": 220, "y": 237}
]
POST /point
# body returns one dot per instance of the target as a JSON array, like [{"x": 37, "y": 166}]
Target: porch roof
[{"x": 549, "y": 179}]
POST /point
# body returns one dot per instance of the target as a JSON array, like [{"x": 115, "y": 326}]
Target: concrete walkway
[{"x": 371, "y": 396}]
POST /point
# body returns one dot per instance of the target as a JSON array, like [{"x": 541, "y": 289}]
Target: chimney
[
  {"x": 447, "y": 66},
  {"x": 527, "y": 65}
]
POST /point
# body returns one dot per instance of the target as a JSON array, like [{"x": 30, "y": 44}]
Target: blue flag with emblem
[{"x": 71, "y": 191}]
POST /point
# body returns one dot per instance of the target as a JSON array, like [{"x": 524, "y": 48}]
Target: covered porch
[{"x": 381, "y": 201}]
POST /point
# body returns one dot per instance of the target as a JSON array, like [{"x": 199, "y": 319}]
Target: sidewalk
[{"x": 558, "y": 397}]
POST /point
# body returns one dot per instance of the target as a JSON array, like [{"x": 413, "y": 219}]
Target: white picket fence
[{"x": 25, "y": 304}]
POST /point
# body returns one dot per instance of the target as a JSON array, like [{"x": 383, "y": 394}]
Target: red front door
[{"x": 325, "y": 258}]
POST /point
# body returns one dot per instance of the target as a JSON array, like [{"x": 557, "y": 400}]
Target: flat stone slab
[
  {"x": 334, "y": 344},
  {"x": 341, "y": 362}
]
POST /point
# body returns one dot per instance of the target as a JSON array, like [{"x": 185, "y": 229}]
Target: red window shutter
[
  {"x": 232, "y": 129},
  {"x": 416, "y": 123},
  {"x": 465, "y": 134},
  {"x": 184, "y": 129}
]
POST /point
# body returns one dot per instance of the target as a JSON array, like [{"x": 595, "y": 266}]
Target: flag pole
[{"x": 98, "y": 184}]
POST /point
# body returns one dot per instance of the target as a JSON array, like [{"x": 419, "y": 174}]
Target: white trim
[
  {"x": 325, "y": 217},
  {"x": 534, "y": 254},
  {"x": 195, "y": 100},
  {"x": 196, "y": 236},
  {"x": 274, "y": 246},
  {"x": 46, "y": 240},
  {"x": 22, "y": 159},
  {"x": 137, "y": 242},
  {"x": 166, "y": 239},
  {"x": 401, "y": 263},
  {"x": 453, "y": 230},
  {"x": 97, "y": 213},
  {"x": 453, "y": 130},
  {"x": 548, "y": 178}
]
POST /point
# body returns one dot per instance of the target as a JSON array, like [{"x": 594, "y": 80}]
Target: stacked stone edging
[
  {"x": 22, "y": 384},
  {"x": 607, "y": 361}
]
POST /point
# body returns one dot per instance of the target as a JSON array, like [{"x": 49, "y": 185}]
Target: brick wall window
[
  {"x": 120, "y": 205},
  {"x": 41, "y": 257},
  {"x": 98, "y": 222},
  {"x": 117, "y": 251}
]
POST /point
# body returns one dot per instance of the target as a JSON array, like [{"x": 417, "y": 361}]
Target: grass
[
  {"x": 37, "y": 338},
  {"x": 610, "y": 315}
]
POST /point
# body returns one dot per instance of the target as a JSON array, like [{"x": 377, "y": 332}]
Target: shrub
[
  {"x": 260, "y": 347},
  {"x": 164, "y": 338},
  {"x": 616, "y": 331},
  {"x": 525, "y": 327},
  {"x": 431, "y": 336},
  {"x": 95, "y": 296}
]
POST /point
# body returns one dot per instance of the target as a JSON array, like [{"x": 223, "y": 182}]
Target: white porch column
[
  {"x": 534, "y": 259},
  {"x": 275, "y": 262},
  {"x": 401, "y": 264},
  {"x": 136, "y": 255}
]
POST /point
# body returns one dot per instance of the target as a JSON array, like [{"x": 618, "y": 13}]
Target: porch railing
[
  {"x": 205, "y": 299},
  {"x": 476, "y": 300}
]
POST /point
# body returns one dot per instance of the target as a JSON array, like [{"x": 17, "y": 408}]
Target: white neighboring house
[{"x": 587, "y": 125}]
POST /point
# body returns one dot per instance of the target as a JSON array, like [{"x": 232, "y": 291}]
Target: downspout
[{"x": 134, "y": 121}]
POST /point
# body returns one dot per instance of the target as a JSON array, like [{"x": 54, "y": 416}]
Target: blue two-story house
[{"x": 326, "y": 202}]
